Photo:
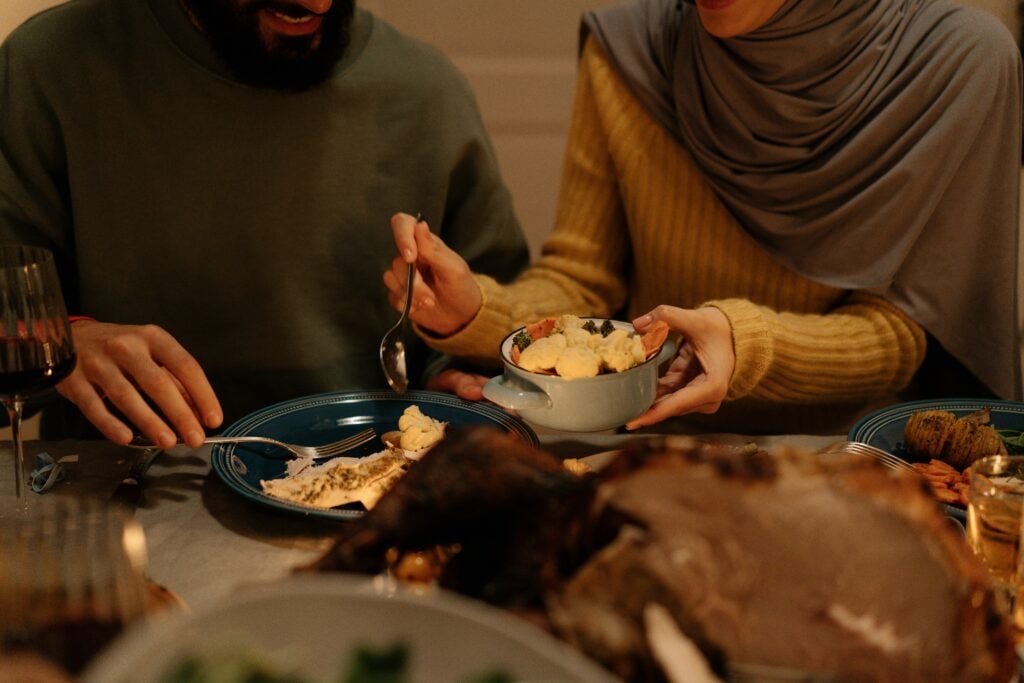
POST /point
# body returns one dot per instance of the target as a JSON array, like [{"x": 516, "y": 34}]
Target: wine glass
[
  {"x": 36, "y": 350},
  {"x": 72, "y": 578}
]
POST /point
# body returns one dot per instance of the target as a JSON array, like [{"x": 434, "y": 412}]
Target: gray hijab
[{"x": 867, "y": 144}]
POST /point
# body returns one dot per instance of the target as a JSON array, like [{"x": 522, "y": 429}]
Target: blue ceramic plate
[
  {"x": 884, "y": 428},
  {"x": 328, "y": 417}
]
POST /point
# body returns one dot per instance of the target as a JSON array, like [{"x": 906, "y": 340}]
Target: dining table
[{"x": 204, "y": 540}]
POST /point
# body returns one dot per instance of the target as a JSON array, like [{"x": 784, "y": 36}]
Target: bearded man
[{"x": 216, "y": 179}]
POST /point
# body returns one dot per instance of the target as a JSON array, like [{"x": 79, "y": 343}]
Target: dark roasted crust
[
  {"x": 926, "y": 432},
  {"x": 511, "y": 508},
  {"x": 941, "y": 435}
]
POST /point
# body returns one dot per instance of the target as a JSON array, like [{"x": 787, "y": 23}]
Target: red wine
[{"x": 27, "y": 365}]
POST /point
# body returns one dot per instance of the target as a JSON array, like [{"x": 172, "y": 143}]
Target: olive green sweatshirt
[{"x": 251, "y": 224}]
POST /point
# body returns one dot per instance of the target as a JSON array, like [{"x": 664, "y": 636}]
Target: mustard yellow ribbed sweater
[{"x": 638, "y": 226}]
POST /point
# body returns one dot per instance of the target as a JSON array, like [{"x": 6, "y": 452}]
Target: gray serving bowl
[{"x": 587, "y": 404}]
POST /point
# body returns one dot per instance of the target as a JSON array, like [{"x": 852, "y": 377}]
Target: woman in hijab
[{"x": 821, "y": 196}]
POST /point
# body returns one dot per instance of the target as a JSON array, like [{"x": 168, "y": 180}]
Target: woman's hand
[
  {"x": 136, "y": 367},
  {"x": 463, "y": 384},
  {"x": 698, "y": 378},
  {"x": 445, "y": 295}
]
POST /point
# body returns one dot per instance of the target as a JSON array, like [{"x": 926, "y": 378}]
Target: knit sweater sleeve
[
  {"x": 796, "y": 342},
  {"x": 862, "y": 349},
  {"x": 581, "y": 269}
]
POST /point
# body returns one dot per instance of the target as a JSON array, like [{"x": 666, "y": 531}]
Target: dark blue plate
[
  {"x": 884, "y": 428},
  {"x": 323, "y": 418}
]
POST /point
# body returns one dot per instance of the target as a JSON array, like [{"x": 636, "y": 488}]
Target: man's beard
[{"x": 291, "y": 62}]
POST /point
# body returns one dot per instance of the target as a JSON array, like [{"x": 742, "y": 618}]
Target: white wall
[{"x": 13, "y": 12}]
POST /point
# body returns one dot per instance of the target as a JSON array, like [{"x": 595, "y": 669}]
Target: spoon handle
[{"x": 410, "y": 274}]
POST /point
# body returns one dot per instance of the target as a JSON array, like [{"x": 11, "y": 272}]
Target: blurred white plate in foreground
[{"x": 312, "y": 624}]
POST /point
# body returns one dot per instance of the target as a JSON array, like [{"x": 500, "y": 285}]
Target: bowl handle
[{"x": 515, "y": 396}]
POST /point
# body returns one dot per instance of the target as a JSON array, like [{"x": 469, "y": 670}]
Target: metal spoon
[{"x": 392, "y": 346}]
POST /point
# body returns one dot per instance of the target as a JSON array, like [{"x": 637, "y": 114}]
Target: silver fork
[
  {"x": 327, "y": 450},
  {"x": 866, "y": 449},
  {"x": 129, "y": 491}
]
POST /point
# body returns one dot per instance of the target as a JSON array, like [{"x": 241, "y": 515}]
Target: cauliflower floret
[
  {"x": 578, "y": 361},
  {"x": 578, "y": 337},
  {"x": 619, "y": 351},
  {"x": 543, "y": 353},
  {"x": 568, "y": 322},
  {"x": 419, "y": 432},
  {"x": 616, "y": 338}
]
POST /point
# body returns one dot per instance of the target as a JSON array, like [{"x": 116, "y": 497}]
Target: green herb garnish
[
  {"x": 378, "y": 665},
  {"x": 1013, "y": 439},
  {"x": 590, "y": 326},
  {"x": 607, "y": 328},
  {"x": 522, "y": 340}
]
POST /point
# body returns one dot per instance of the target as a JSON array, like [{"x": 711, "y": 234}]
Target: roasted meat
[
  {"x": 845, "y": 569},
  {"x": 511, "y": 509},
  {"x": 841, "y": 568}
]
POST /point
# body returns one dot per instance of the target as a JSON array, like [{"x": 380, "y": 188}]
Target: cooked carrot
[{"x": 654, "y": 337}]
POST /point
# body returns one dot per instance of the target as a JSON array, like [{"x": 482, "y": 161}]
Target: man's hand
[
  {"x": 445, "y": 295},
  {"x": 698, "y": 378},
  {"x": 131, "y": 366}
]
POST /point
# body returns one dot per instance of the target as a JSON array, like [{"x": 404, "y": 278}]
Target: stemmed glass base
[{"x": 15, "y": 407}]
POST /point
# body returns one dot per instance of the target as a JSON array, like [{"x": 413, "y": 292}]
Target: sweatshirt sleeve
[{"x": 34, "y": 194}]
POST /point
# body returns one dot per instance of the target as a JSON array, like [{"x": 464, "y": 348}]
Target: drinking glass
[
  {"x": 994, "y": 517},
  {"x": 35, "y": 340},
  {"x": 72, "y": 576}
]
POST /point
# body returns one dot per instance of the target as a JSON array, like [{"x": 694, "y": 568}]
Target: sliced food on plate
[
  {"x": 360, "y": 480},
  {"x": 942, "y": 438},
  {"x": 952, "y": 444},
  {"x": 959, "y": 441}
]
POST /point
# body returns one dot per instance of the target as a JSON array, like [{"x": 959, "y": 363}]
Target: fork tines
[
  {"x": 346, "y": 444},
  {"x": 882, "y": 456}
]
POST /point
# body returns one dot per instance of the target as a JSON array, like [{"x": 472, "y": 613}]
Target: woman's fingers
[
  {"x": 698, "y": 379},
  {"x": 462, "y": 384}
]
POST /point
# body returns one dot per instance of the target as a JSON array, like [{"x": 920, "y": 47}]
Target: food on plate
[
  {"x": 577, "y": 466},
  {"x": 366, "y": 664},
  {"x": 571, "y": 347},
  {"x": 760, "y": 558},
  {"x": 959, "y": 441},
  {"x": 340, "y": 482},
  {"x": 417, "y": 432},
  {"x": 345, "y": 480},
  {"x": 240, "y": 665},
  {"x": 418, "y": 566},
  {"x": 948, "y": 484}
]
